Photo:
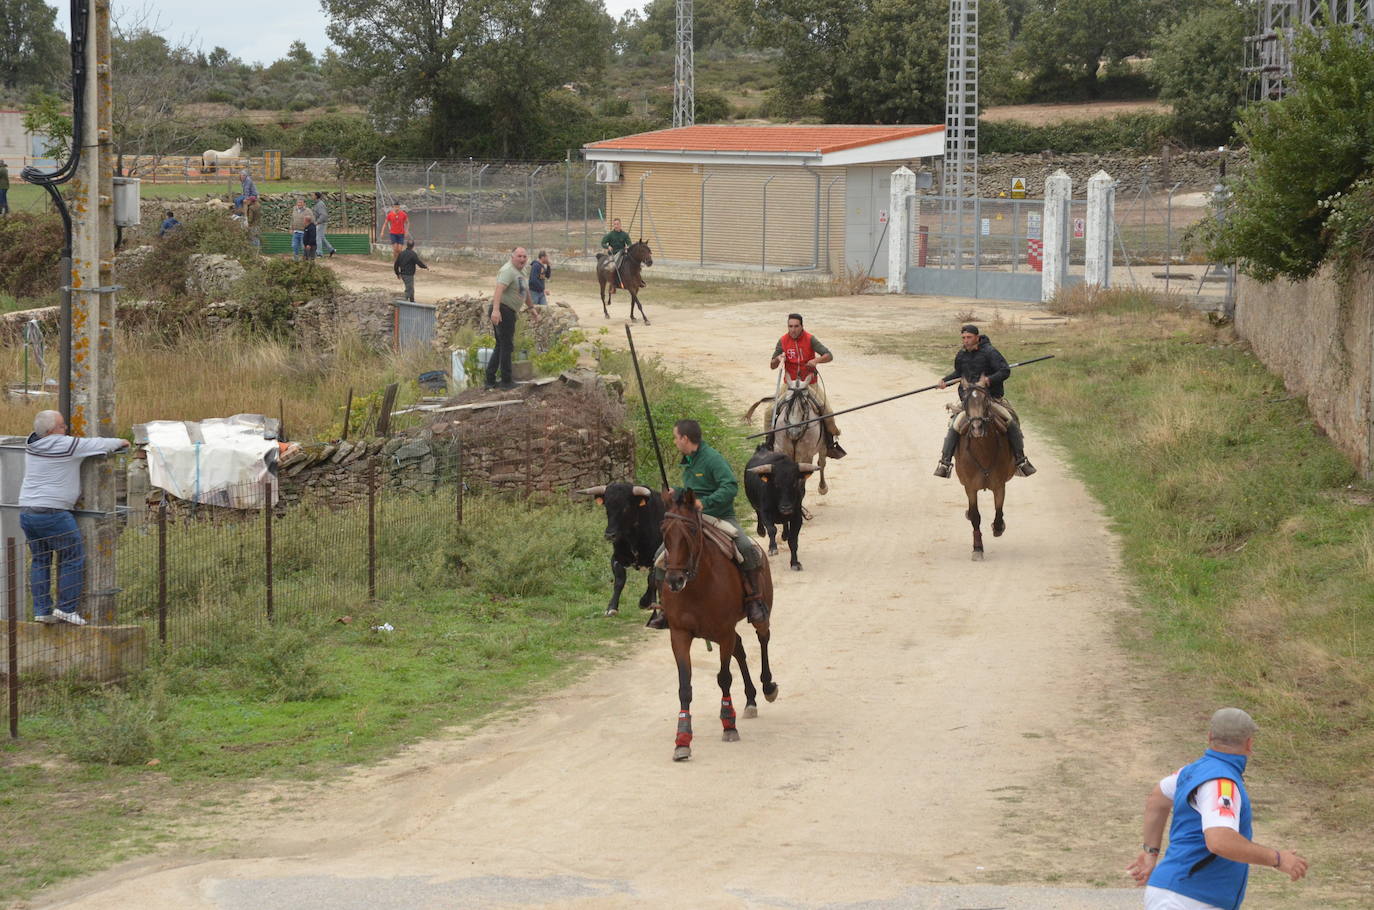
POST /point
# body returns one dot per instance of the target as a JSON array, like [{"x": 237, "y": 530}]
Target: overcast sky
[{"x": 254, "y": 30}]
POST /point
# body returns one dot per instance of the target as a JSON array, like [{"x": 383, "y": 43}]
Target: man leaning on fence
[{"x": 52, "y": 485}]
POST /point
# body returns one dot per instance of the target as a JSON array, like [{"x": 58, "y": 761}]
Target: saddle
[
  {"x": 720, "y": 534},
  {"x": 1002, "y": 415}
]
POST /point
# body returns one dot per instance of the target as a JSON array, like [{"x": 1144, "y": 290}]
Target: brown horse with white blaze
[
  {"x": 983, "y": 461},
  {"x": 703, "y": 597},
  {"x": 637, "y": 257}
]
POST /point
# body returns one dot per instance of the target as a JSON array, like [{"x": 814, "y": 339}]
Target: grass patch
[
  {"x": 485, "y": 617},
  {"x": 1252, "y": 558}
]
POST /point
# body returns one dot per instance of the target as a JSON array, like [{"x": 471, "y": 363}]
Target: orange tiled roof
[{"x": 713, "y": 138}]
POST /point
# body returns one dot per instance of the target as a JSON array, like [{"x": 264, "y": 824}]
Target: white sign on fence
[
  {"x": 882, "y": 216},
  {"x": 987, "y": 227},
  {"x": 1078, "y": 227},
  {"x": 1033, "y": 225}
]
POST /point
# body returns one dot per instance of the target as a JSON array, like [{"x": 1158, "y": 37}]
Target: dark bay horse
[
  {"x": 983, "y": 461},
  {"x": 636, "y": 257},
  {"x": 703, "y": 597}
]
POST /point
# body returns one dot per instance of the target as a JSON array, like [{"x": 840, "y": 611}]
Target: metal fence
[
  {"x": 495, "y": 205},
  {"x": 193, "y": 576}
]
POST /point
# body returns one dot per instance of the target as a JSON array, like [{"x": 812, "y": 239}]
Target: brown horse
[
  {"x": 983, "y": 461},
  {"x": 636, "y": 257},
  {"x": 703, "y": 597}
]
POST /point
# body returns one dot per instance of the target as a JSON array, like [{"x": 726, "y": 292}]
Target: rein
[
  {"x": 694, "y": 553},
  {"x": 985, "y": 470}
]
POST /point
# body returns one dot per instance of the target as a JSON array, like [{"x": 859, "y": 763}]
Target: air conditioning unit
[{"x": 608, "y": 172}]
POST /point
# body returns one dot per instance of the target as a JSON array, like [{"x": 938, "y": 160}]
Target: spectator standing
[
  {"x": 299, "y": 216},
  {"x": 320, "y": 213},
  {"x": 404, "y": 266},
  {"x": 169, "y": 224},
  {"x": 540, "y": 270},
  {"x": 310, "y": 237},
  {"x": 4, "y": 187},
  {"x": 512, "y": 289},
  {"x": 52, "y": 484},
  {"x": 1210, "y": 848},
  {"x": 398, "y": 225}
]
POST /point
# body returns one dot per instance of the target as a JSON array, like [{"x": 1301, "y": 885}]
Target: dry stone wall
[
  {"x": 1319, "y": 336},
  {"x": 1194, "y": 170}
]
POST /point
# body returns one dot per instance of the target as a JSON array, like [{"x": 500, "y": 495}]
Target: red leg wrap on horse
[
  {"x": 727, "y": 714},
  {"x": 684, "y": 729}
]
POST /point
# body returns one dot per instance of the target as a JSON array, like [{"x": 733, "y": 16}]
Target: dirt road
[{"x": 948, "y": 732}]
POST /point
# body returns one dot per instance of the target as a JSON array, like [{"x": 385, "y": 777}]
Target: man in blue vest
[{"x": 1210, "y": 850}]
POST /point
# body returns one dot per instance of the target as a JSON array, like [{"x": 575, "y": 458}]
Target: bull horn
[
  {"x": 639, "y": 491},
  {"x": 591, "y": 491},
  {"x": 761, "y": 469},
  {"x": 807, "y": 468}
]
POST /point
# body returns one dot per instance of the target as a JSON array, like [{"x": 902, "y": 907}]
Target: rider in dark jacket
[{"x": 979, "y": 362}]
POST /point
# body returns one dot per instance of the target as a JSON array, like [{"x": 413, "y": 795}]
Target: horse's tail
[{"x": 749, "y": 414}]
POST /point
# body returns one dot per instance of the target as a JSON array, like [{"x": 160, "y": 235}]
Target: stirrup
[
  {"x": 835, "y": 451},
  {"x": 657, "y": 620},
  {"x": 942, "y": 469},
  {"x": 755, "y": 610},
  {"x": 1024, "y": 468}
]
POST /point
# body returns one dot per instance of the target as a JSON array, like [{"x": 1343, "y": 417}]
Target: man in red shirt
[
  {"x": 801, "y": 352},
  {"x": 396, "y": 223}
]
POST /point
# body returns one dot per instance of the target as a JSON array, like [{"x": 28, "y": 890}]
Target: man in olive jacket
[{"x": 707, "y": 474}]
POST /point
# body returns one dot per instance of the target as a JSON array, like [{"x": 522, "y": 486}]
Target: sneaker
[
  {"x": 488, "y": 388},
  {"x": 508, "y": 386},
  {"x": 47, "y": 619},
  {"x": 942, "y": 469},
  {"x": 74, "y": 618},
  {"x": 1024, "y": 468}
]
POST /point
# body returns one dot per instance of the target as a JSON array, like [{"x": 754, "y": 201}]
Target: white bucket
[
  {"x": 458, "y": 371},
  {"x": 483, "y": 357}
]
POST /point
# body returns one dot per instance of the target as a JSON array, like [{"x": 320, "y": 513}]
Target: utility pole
[
  {"x": 684, "y": 69},
  {"x": 93, "y": 312}
]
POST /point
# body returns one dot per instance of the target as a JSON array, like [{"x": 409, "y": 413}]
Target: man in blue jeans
[{"x": 52, "y": 485}]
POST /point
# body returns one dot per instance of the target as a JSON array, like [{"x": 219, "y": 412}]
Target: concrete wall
[{"x": 1320, "y": 338}]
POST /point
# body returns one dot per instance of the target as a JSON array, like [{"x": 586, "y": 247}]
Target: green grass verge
[
  {"x": 24, "y": 197},
  {"x": 491, "y": 615},
  {"x": 1248, "y": 535}
]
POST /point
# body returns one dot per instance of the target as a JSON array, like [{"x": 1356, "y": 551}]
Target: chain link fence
[{"x": 495, "y": 205}]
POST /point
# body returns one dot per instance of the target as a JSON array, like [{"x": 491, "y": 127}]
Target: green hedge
[{"x": 1143, "y": 133}]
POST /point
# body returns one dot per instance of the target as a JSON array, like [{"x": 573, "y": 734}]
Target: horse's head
[
  {"x": 794, "y": 406},
  {"x": 682, "y": 538},
  {"x": 639, "y": 251},
  {"x": 976, "y": 407}
]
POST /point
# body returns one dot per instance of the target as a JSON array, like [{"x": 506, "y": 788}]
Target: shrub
[
  {"x": 1143, "y": 133},
  {"x": 269, "y": 292},
  {"x": 30, "y": 253},
  {"x": 119, "y": 728}
]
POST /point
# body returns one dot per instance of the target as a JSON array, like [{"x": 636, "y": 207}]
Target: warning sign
[
  {"x": 1018, "y": 187},
  {"x": 1078, "y": 227},
  {"x": 882, "y": 216}
]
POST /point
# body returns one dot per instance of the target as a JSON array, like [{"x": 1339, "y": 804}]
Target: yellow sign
[{"x": 1018, "y": 187}]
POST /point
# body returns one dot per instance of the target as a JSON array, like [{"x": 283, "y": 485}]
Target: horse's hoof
[
  {"x": 771, "y": 694},
  {"x": 772, "y": 551},
  {"x": 998, "y": 531},
  {"x": 977, "y": 555},
  {"x": 682, "y": 753},
  {"x": 646, "y": 320},
  {"x": 751, "y": 711},
  {"x": 823, "y": 489},
  {"x": 612, "y": 612},
  {"x": 730, "y": 736},
  {"x": 796, "y": 567}
]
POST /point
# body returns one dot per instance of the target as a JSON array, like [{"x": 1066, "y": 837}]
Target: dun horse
[
  {"x": 804, "y": 445},
  {"x": 983, "y": 461},
  {"x": 636, "y": 257},
  {"x": 703, "y": 597}
]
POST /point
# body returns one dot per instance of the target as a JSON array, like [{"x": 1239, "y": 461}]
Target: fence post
[
  {"x": 372, "y": 528},
  {"x": 12, "y": 635},
  {"x": 162, "y": 569},
  {"x": 763, "y": 241},
  {"x": 267, "y": 541},
  {"x": 1058, "y": 192},
  {"x": 1097, "y": 261},
  {"x": 458, "y": 484},
  {"x": 903, "y": 190}
]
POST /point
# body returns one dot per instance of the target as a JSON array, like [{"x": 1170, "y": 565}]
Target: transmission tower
[
  {"x": 959, "y": 178},
  {"x": 684, "y": 69},
  {"x": 1267, "y": 52}
]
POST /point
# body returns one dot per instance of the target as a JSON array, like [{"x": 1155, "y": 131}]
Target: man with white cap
[{"x": 1210, "y": 848}]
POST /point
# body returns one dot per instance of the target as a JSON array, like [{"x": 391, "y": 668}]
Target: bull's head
[
  {"x": 788, "y": 479},
  {"x": 621, "y": 501}
]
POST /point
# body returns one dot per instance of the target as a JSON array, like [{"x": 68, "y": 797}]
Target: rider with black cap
[{"x": 981, "y": 363}]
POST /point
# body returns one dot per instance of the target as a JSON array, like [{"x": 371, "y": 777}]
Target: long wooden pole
[{"x": 648, "y": 414}]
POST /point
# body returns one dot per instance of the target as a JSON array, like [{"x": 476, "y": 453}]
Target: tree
[
  {"x": 1066, "y": 41},
  {"x": 47, "y": 117},
  {"x": 152, "y": 84},
  {"x": 1197, "y": 66},
  {"x": 33, "y": 53},
  {"x": 1308, "y": 151}
]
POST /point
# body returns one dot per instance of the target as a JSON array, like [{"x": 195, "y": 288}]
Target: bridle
[
  {"x": 977, "y": 428},
  {"x": 698, "y": 531},
  {"x": 794, "y": 398}
]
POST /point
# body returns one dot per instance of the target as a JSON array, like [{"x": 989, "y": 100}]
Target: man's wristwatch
[{"x": 1153, "y": 851}]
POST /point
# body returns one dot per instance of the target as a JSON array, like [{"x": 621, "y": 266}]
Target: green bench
[{"x": 276, "y": 242}]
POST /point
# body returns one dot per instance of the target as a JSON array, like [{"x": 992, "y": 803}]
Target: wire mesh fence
[
  {"x": 495, "y": 205},
  {"x": 208, "y": 578}
]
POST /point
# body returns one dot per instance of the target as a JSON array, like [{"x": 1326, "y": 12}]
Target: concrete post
[
  {"x": 1101, "y": 226},
  {"x": 898, "y": 229},
  {"x": 1058, "y": 192}
]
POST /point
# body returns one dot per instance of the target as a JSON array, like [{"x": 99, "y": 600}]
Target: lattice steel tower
[
  {"x": 684, "y": 69},
  {"x": 1267, "y": 53},
  {"x": 959, "y": 178}
]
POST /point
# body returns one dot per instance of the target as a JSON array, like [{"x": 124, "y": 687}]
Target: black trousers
[{"x": 505, "y": 348}]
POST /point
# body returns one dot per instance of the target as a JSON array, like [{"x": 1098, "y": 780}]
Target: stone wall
[
  {"x": 474, "y": 312},
  {"x": 1196, "y": 171},
  {"x": 1319, "y": 336}
]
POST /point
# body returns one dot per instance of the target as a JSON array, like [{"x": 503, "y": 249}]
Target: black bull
[
  {"x": 634, "y": 519},
  {"x": 776, "y": 486}
]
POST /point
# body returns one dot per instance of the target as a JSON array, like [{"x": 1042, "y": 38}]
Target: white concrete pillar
[
  {"x": 899, "y": 228},
  {"x": 1058, "y": 192},
  {"x": 1101, "y": 228}
]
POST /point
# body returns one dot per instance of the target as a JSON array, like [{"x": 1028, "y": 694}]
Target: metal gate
[
  {"x": 983, "y": 248},
  {"x": 414, "y": 324}
]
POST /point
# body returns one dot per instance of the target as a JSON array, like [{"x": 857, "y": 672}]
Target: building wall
[{"x": 730, "y": 229}]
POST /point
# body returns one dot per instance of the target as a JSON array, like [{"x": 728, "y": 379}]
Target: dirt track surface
[{"x": 946, "y": 736}]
